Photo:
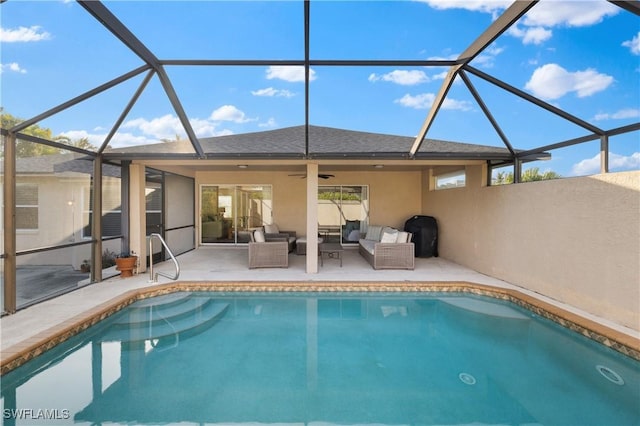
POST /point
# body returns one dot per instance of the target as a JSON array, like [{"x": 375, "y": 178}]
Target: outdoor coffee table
[{"x": 333, "y": 251}]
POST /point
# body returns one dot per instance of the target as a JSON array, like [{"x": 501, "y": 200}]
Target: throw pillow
[
  {"x": 258, "y": 235},
  {"x": 353, "y": 235},
  {"x": 389, "y": 236},
  {"x": 271, "y": 229},
  {"x": 403, "y": 237}
]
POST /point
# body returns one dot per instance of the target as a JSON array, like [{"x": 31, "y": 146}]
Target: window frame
[{"x": 29, "y": 206}]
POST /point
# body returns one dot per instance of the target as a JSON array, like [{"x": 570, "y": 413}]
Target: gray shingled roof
[
  {"x": 286, "y": 142},
  {"x": 60, "y": 163},
  {"x": 323, "y": 141}
]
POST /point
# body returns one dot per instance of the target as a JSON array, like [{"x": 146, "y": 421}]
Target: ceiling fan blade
[{"x": 320, "y": 175}]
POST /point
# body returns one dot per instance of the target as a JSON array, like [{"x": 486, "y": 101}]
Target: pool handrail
[{"x": 153, "y": 278}]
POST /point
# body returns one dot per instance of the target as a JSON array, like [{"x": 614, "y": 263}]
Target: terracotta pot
[{"x": 126, "y": 265}]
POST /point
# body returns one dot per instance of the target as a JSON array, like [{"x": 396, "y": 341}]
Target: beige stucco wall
[
  {"x": 576, "y": 240},
  {"x": 394, "y": 196}
]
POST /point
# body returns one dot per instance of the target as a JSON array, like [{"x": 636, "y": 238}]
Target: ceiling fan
[{"x": 320, "y": 175}]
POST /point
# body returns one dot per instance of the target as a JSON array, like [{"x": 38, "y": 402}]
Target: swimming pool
[{"x": 325, "y": 358}]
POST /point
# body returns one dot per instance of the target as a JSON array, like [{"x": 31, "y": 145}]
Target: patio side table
[{"x": 333, "y": 251}]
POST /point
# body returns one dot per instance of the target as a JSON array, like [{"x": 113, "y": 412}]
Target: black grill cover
[{"x": 425, "y": 235}]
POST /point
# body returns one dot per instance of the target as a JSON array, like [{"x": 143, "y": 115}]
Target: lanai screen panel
[{"x": 216, "y": 30}]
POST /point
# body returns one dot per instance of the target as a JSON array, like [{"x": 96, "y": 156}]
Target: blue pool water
[{"x": 325, "y": 359}]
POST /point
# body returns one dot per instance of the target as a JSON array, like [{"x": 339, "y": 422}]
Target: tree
[
  {"x": 30, "y": 149},
  {"x": 79, "y": 143},
  {"x": 533, "y": 174},
  {"x": 530, "y": 175}
]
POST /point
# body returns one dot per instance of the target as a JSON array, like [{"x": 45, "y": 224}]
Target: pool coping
[{"x": 20, "y": 353}]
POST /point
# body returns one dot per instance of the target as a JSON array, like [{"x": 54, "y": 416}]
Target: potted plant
[
  {"x": 126, "y": 263},
  {"x": 85, "y": 266}
]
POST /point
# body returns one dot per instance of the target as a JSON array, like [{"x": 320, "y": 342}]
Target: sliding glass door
[
  {"x": 343, "y": 212},
  {"x": 228, "y": 213}
]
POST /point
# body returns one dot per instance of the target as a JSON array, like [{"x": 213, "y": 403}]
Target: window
[
  {"x": 26, "y": 206},
  {"x": 455, "y": 179},
  {"x": 343, "y": 212},
  {"x": 153, "y": 206},
  {"x": 111, "y": 208},
  {"x": 228, "y": 213}
]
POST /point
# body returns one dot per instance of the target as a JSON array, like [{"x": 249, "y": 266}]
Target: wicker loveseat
[{"x": 387, "y": 248}]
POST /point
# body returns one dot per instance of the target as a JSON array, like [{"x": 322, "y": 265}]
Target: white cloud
[
  {"x": 123, "y": 140},
  {"x": 144, "y": 132},
  {"x": 271, "y": 92},
  {"x": 541, "y": 17},
  {"x": 456, "y": 105},
  {"x": 551, "y": 81},
  {"x": 440, "y": 76},
  {"x": 119, "y": 140},
  {"x": 489, "y": 6},
  {"x": 487, "y": 57},
  {"x": 168, "y": 127},
  {"x": 23, "y": 34},
  {"x": 230, "y": 113},
  {"x": 545, "y": 15},
  {"x": 633, "y": 44},
  {"x": 165, "y": 127},
  {"x": 619, "y": 115},
  {"x": 531, "y": 35},
  {"x": 292, "y": 74},
  {"x": 202, "y": 128},
  {"x": 451, "y": 57},
  {"x": 270, "y": 123},
  {"x": 402, "y": 77},
  {"x": 95, "y": 139},
  {"x": 13, "y": 67},
  {"x": 422, "y": 101},
  {"x": 569, "y": 13},
  {"x": 618, "y": 162},
  {"x": 425, "y": 100}
]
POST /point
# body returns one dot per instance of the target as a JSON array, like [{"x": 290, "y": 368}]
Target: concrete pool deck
[{"x": 211, "y": 267}]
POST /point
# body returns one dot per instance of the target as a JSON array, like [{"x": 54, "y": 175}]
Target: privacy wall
[{"x": 569, "y": 239}]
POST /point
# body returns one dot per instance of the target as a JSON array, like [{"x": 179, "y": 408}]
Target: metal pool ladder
[{"x": 153, "y": 278}]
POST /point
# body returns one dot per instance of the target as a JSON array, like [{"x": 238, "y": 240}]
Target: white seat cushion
[
  {"x": 368, "y": 245},
  {"x": 304, "y": 240}
]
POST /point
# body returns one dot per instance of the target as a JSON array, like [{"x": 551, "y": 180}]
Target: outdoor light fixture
[
  {"x": 378, "y": 166},
  {"x": 242, "y": 166}
]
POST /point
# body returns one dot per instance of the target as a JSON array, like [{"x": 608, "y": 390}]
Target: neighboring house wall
[
  {"x": 62, "y": 216},
  {"x": 59, "y": 222},
  {"x": 576, "y": 240}
]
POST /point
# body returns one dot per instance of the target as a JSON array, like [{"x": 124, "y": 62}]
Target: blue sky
[{"x": 583, "y": 57}]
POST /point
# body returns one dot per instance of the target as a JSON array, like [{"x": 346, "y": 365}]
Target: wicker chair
[
  {"x": 269, "y": 254},
  {"x": 273, "y": 233}
]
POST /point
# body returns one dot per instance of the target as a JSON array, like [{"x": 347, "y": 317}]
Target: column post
[
  {"x": 312, "y": 218},
  {"x": 9, "y": 295}
]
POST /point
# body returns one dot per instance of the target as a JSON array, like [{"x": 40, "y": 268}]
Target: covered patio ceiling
[{"x": 310, "y": 137}]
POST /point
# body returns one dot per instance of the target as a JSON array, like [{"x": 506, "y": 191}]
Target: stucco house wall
[
  {"x": 576, "y": 240},
  {"x": 394, "y": 196}
]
